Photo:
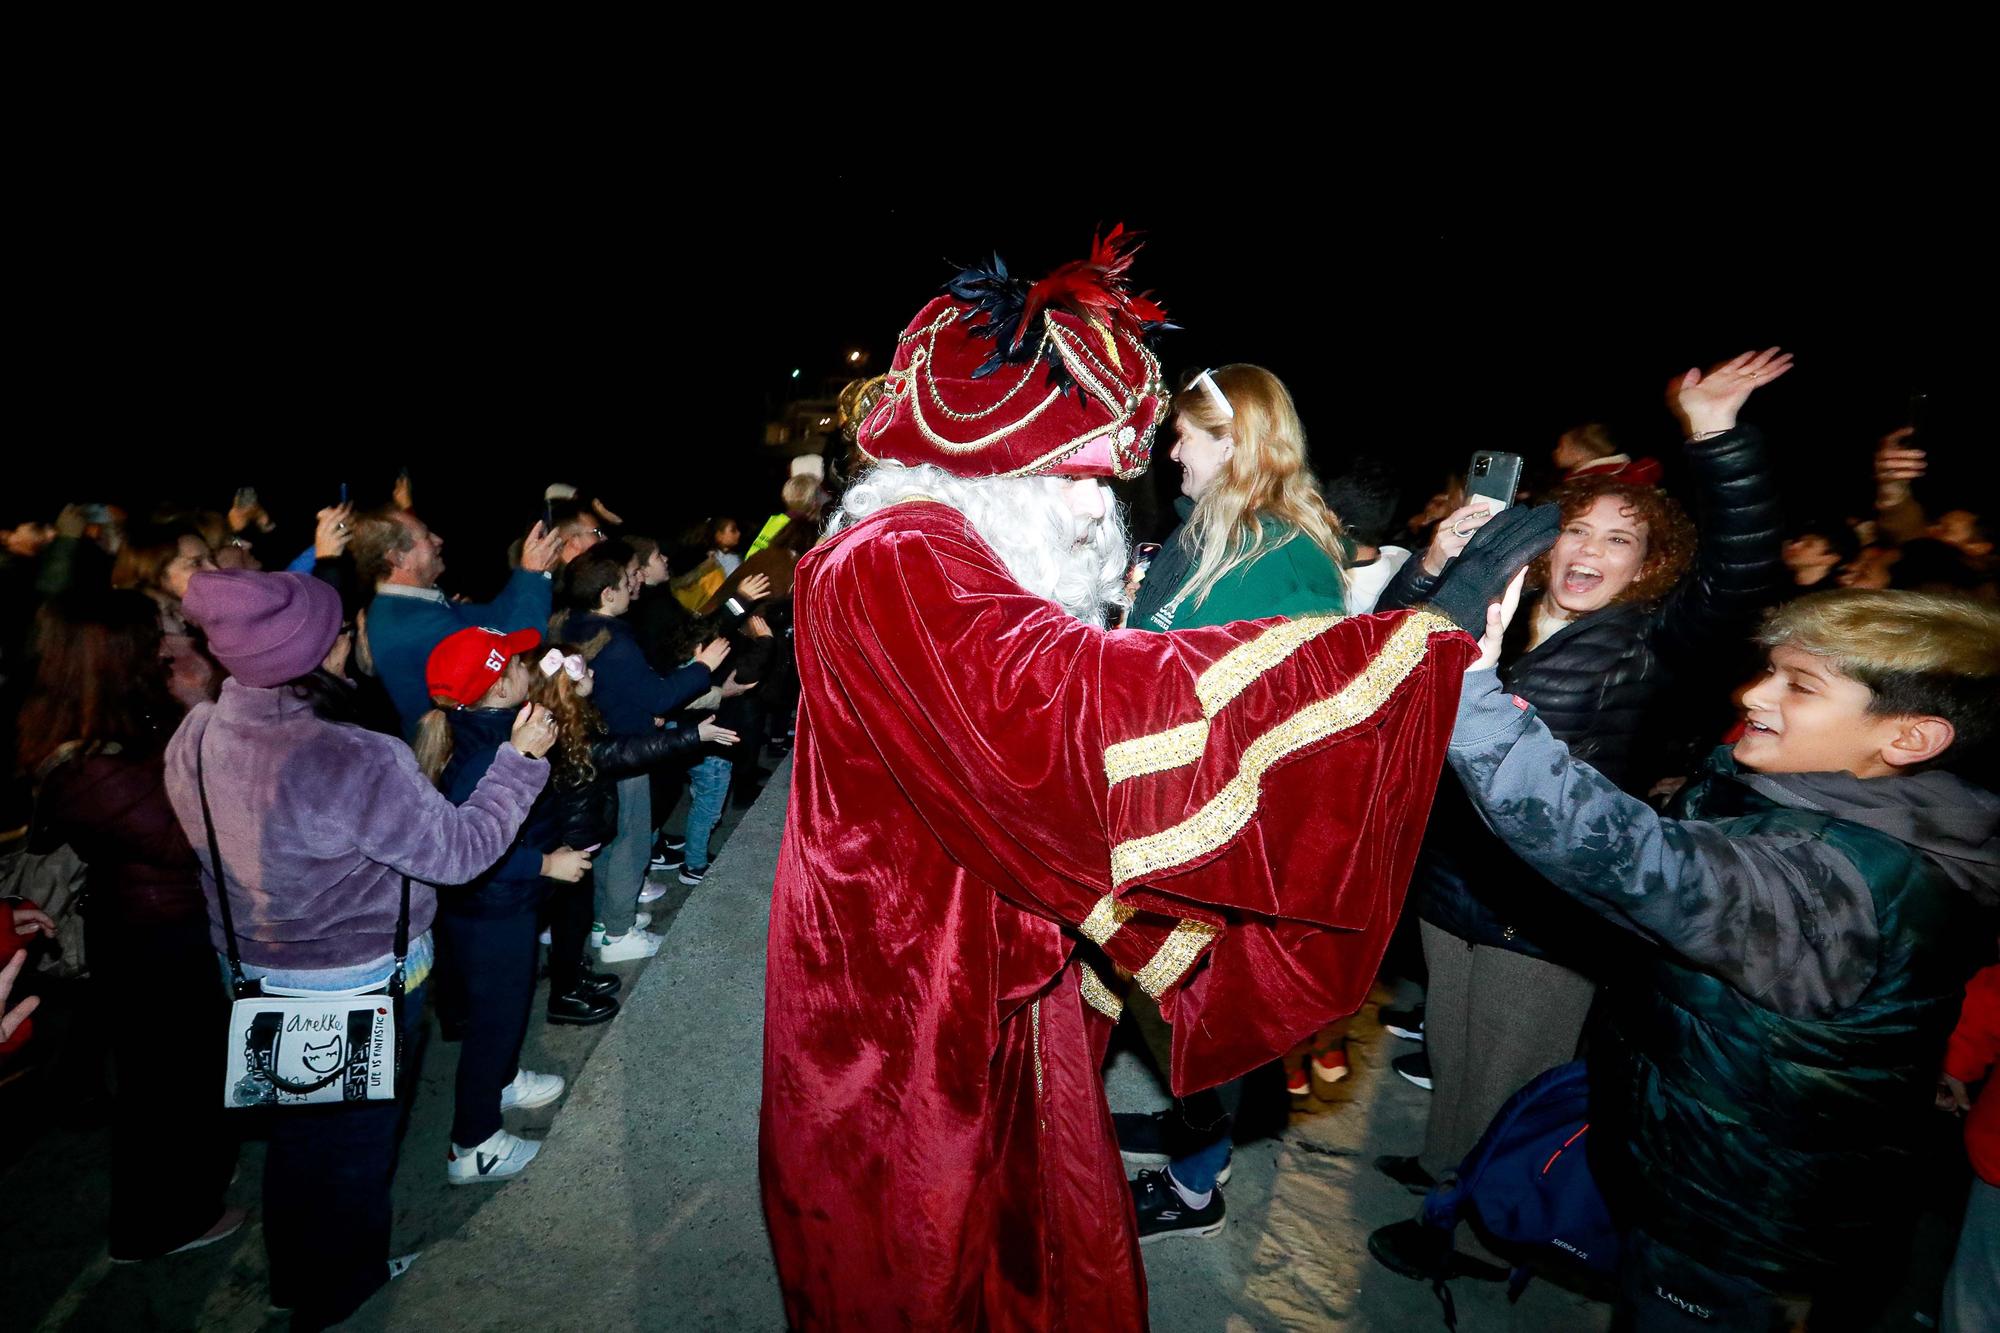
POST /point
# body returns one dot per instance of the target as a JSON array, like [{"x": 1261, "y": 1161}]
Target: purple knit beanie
[{"x": 265, "y": 628}]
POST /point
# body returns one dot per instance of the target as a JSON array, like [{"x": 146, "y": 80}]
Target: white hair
[{"x": 1026, "y": 520}]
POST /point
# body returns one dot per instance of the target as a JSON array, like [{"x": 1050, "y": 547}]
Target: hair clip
[
  {"x": 1207, "y": 381},
  {"x": 554, "y": 661}
]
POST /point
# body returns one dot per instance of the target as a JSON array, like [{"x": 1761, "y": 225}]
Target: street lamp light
[{"x": 854, "y": 358}]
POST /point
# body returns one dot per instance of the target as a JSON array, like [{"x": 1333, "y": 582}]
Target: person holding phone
[
  {"x": 1623, "y": 611},
  {"x": 1256, "y": 539}
]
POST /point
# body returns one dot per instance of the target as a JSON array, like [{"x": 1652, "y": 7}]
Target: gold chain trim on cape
[
  {"x": 1241, "y": 665},
  {"x": 1106, "y": 915},
  {"x": 1216, "y": 687},
  {"x": 1230, "y": 809},
  {"x": 1098, "y": 995},
  {"x": 1175, "y": 955},
  {"x": 1155, "y": 753}
]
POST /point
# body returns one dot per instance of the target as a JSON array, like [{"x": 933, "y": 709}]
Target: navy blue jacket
[
  {"x": 402, "y": 630},
  {"x": 629, "y": 692},
  {"x": 515, "y": 883}
]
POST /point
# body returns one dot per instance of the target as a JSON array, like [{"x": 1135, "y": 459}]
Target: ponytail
[{"x": 433, "y": 744}]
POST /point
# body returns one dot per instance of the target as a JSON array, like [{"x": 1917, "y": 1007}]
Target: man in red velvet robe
[{"x": 994, "y": 801}]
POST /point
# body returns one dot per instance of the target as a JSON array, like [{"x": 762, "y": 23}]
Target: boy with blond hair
[{"x": 1761, "y": 1087}]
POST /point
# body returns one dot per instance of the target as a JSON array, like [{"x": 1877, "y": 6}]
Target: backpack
[{"x": 1528, "y": 1181}]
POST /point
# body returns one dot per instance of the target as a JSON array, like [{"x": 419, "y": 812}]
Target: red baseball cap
[{"x": 466, "y": 664}]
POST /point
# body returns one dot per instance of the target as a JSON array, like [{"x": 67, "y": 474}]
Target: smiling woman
[{"x": 1620, "y": 543}]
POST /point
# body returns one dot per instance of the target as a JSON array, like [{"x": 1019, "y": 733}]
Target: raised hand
[
  {"x": 1896, "y": 466},
  {"x": 754, "y": 587},
  {"x": 539, "y": 552},
  {"x": 535, "y": 730},
  {"x": 11, "y": 1019},
  {"x": 335, "y": 530},
  {"x": 1453, "y": 533},
  {"x": 1707, "y": 404},
  {"x": 712, "y": 653},
  {"x": 1498, "y": 617}
]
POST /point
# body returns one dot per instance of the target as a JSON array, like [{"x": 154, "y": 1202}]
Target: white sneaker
[
  {"x": 633, "y": 944},
  {"x": 653, "y": 892},
  {"x": 529, "y": 1090},
  {"x": 501, "y": 1156},
  {"x": 640, "y": 920}
]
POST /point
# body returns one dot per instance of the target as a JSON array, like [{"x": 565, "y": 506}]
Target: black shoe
[
  {"x": 1405, "y": 1172},
  {"x": 672, "y": 842},
  {"x": 579, "y": 1010},
  {"x": 1405, "y": 1023},
  {"x": 1156, "y": 1139},
  {"x": 600, "y": 984},
  {"x": 780, "y": 748},
  {"x": 1415, "y": 1067},
  {"x": 664, "y": 859},
  {"x": 691, "y": 875},
  {"x": 1415, "y": 1250},
  {"x": 1163, "y": 1213}
]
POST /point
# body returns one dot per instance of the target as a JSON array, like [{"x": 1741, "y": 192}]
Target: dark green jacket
[
  {"x": 1294, "y": 579},
  {"x": 1761, "y": 1086}
]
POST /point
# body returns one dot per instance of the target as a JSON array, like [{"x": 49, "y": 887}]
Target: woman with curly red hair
[{"x": 1630, "y": 602}]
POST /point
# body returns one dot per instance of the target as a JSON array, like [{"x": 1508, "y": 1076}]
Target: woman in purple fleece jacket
[{"x": 318, "y": 822}]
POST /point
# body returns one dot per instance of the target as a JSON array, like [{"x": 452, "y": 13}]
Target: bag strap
[
  {"x": 239, "y": 985},
  {"x": 402, "y": 945}
]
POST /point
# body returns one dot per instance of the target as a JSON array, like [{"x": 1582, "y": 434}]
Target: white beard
[{"x": 1077, "y": 564}]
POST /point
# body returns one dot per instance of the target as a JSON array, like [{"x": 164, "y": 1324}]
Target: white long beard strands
[{"x": 1026, "y": 520}]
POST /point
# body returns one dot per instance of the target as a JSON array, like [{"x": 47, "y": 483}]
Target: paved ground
[{"x": 642, "y": 1211}]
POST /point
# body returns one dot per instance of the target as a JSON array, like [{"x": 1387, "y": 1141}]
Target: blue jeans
[
  {"x": 620, "y": 870},
  {"x": 326, "y": 1192},
  {"x": 708, "y": 788}
]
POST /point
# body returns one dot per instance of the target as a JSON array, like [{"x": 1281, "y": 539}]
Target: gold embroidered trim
[
  {"x": 1175, "y": 955},
  {"x": 1105, "y": 917},
  {"x": 1246, "y": 661},
  {"x": 1156, "y": 753},
  {"x": 1035, "y": 1036},
  {"x": 1098, "y": 995},
  {"x": 1230, "y": 809}
]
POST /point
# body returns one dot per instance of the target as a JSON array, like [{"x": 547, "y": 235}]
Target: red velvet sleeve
[{"x": 1248, "y": 797}]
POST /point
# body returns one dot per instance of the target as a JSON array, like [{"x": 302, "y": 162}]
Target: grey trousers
[
  {"x": 1972, "y": 1289},
  {"x": 620, "y": 869},
  {"x": 1493, "y": 1020}
]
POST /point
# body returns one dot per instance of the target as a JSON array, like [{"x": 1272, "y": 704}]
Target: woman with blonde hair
[
  {"x": 1256, "y": 537},
  {"x": 1256, "y": 540}
]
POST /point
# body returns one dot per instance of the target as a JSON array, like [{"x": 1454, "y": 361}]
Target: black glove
[{"x": 1475, "y": 578}]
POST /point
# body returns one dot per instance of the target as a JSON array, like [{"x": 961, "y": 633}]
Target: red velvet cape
[{"x": 980, "y": 780}]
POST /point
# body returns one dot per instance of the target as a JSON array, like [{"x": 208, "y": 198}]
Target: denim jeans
[
  {"x": 708, "y": 788},
  {"x": 326, "y": 1192},
  {"x": 620, "y": 871}
]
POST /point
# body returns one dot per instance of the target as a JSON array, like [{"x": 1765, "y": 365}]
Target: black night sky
[{"x": 193, "y": 330}]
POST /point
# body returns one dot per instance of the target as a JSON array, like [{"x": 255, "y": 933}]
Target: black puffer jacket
[
  {"x": 589, "y": 811},
  {"x": 1615, "y": 686}
]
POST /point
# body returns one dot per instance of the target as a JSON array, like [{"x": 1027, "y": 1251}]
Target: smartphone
[
  {"x": 548, "y": 516},
  {"x": 246, "y": 497},
  {"x": 343, "y": 492},
  {"x": 1493, "y": 477}
]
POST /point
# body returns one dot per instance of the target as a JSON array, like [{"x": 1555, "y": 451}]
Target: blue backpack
[{"x": 1529, "y": 1183}]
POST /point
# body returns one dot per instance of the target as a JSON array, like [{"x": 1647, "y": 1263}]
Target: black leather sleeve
[
  {"x": 623, "y": 756},
  {"x": 1738, "y": 565}
]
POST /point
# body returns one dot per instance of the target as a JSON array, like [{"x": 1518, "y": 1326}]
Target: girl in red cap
[{"x": 478, "y": 680}]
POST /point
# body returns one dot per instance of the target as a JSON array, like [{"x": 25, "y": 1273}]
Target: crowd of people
[
  {"x": 349, "y": 733},
  {"x": 1759, "y": 950}
]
